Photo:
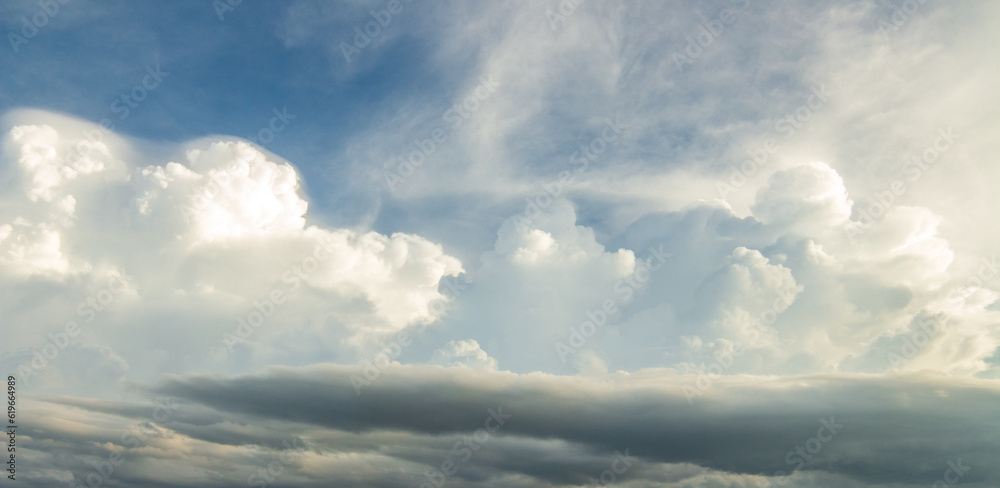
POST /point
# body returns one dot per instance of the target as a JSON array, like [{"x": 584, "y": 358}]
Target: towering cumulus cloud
[
  {"x": 203, "y": 257},
  {"x": 514, "y": 244}
]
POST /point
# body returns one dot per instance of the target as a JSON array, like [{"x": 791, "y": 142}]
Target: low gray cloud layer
[
  {"x": 869, "y": 429},
  {"x": 684, "y": 245}
]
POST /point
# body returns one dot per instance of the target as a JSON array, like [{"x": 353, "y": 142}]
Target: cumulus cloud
[
  {"x": 771, "y": 292},
  {"x": 524, "y": 297},
  {"x": 220, "y": 238},
  {"x": 810, "y": 195},
  {"x": 830, "y": 319},
  {"x": 791, "y": 284},
  {"x": 464, "y": 353}
]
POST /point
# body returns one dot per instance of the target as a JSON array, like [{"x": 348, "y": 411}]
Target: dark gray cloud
[
  {"x": 782, "y": 233},
  {"x": 901, "y": 429}
]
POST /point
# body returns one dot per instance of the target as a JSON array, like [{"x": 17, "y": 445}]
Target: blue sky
[
  {"x": 686, "y": 244},
  {"x": 224, "y": 77}
]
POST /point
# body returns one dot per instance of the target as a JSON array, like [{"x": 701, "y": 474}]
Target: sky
[{"x": 570, "y": 243}]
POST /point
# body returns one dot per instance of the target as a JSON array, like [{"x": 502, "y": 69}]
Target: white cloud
[
  {"x": 793, "y": 288},
  {"x": 464, "y": 353},
  {"x": 775, "y": 276},
  {"x": 213, "y": 239},
  {"x": 809, "y": 198}
]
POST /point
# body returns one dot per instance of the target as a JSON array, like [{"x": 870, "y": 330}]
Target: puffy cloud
[
  {"x": 803, "y": 289},
  {"x": 795, "y": 288},
  {"x": 29, "y": 248},
  {"x": 464, "y": 353},
  {"x": 220, "y": 239},
  {"x": 233, "y": 191},
  {"x": 809, "y": 197},
  {"x": 539, "y": 280},
  {"x": 46, "y": 162}
]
